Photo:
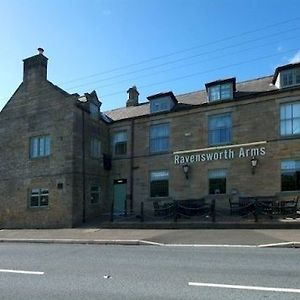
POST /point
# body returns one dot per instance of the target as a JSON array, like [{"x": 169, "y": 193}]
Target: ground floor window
[
  {"x": 217, "y": 181},
  {"x": 95, "y": 194},
  {"x": 39, "y": 198},
  {"x": 159, "y": 183},
  {"x": 290, "y": 175}
]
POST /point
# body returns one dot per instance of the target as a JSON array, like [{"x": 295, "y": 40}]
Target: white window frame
[
  {"x": 220, "y": 92},
  {"x": 216, "y": 174},
  {"x": 215, "y": 133},
  {"x": 289, "y": 77},
  {"x": 120, "y": 138},
  {"x": 159, "y": 141},
  {"x": 42, "y": 197},
  {"x": 40, "y": 146},
  {"x": 157, "y": 176},
  {"x": 290, "y": 119}
]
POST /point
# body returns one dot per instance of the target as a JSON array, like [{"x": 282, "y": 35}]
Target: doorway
[{"x": 120, "y": 191}]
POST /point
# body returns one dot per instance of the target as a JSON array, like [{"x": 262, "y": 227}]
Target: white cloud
[{"x": 295, "y": 58}]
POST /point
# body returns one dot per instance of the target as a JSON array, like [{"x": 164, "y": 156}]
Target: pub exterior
[{"x": 229, "y": 140}]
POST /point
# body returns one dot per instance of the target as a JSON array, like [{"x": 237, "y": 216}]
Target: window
[
  {"x": 290, "y": 175},
  {"x": 217, "y": 181},
  {"x": 159, "y": 184},
  {"x": 219, "y": 129},
  {"x": 39, "y": 198},
  {"x": 39, "y": 146},
  {"x": 159, "y": 105},
  {"x": 95, "y": 148},
  {"x": 95, "y": 194},
  {"x": 290, "y": 77},
  {"x": 120, "y": 143},
  {"x": 220, "y": 92},
  {"x": 290, "y": 119},
  {"x": 159, "y": 138}
]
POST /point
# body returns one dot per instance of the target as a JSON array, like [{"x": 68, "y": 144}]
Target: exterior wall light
[
  {"x": 186, "y": 169},
  {"x": 254, "y": 162}
]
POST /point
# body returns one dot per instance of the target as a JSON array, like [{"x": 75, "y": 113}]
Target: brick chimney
[
  {"x": 35, "y": 68},
  {"x": 133, "y": 97}
]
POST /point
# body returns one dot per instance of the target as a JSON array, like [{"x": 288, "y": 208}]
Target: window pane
[
  {"x": 159, "y": 184},
  {"x": 159, "y": 138},
  {"x": 34, "y": 201},
  {"x": 214, "y": 93},
  {"x": 219, "y": 129},
  {"x": 290, "y": 175},
  {"x": 34, "y": 147},
  {"x": 226, "y": 91},
  {"x": 47, "y": 146}
]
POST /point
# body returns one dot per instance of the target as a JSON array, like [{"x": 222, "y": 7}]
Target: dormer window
[
  {"x": 290, "y": 77},
  {"x": 287, "y": 76},
  {"x": 162, "y": 102},
  {"x": 220, "y": 90}
]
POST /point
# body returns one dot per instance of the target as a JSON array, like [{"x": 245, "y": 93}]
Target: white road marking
[
  {"x": 245, "y": 287},
  {"x": 21, "y": 272},
  {"x": 210, "y": 245}
]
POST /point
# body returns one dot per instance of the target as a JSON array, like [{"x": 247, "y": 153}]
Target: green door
[{"x": 120, "y": 190}]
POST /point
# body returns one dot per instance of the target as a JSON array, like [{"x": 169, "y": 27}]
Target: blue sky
[{"x": 157, "y": 45}]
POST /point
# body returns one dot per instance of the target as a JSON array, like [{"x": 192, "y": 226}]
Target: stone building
[
  {"x": 51, "y": 171},
  {"x": 64, "y": 162}
]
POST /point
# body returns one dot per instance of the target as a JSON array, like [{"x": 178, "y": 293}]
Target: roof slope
[{"x": 245, "y": 88}]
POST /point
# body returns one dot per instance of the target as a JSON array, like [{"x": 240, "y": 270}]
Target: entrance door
[{"x": 120, "y": 190}]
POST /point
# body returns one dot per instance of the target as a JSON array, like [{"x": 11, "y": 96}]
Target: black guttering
[{"x": 283, "y": 68}]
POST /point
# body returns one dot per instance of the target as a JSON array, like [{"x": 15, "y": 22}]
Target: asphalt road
[{"x": 147, "y": 272}]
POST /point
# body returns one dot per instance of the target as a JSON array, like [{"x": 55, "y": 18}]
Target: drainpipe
[
  {"x": 83, "y": 167},
  {"x": 83, "y": 100},
  {"x": 131, "y": 166}
]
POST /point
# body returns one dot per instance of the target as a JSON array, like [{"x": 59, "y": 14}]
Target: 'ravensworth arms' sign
[{"x": 220, "y": 153}]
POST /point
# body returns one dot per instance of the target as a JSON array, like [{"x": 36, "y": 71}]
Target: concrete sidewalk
[{"x": 202, "y": 237}]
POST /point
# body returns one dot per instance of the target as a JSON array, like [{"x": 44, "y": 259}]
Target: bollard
[{"x": 142, "y": 211}]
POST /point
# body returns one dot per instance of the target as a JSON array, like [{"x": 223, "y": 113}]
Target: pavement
[{"x": 159, "y": 237}]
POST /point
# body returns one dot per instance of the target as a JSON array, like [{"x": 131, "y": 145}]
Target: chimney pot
[{"x": 40, "y": 50}]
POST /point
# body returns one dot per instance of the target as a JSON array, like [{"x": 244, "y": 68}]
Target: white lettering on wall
[{"x": 225, "y": 154}]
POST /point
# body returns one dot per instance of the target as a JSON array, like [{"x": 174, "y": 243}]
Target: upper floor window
[
  {"x": 160, "y": 105},
  {"x": 220, "y": 92},
  {"x": 162, "y": 102},
  {"x": 219, "y": 129},
  {"x": 290, "y": 175},
  {"x": 290, "y": 119},
  {"x": 159, "y": 138},
  {"x": 95, "y": 148},
  {"x": 39, "y": 198},
  {"x": 120, "y": 143},
  {"x": 159, "y": 183},
  {"x": 290, "y": 77},
  {"x": 40, "y": 146}
]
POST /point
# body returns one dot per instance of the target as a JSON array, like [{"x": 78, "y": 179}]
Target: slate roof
[{"x": 243, "y": 89}]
